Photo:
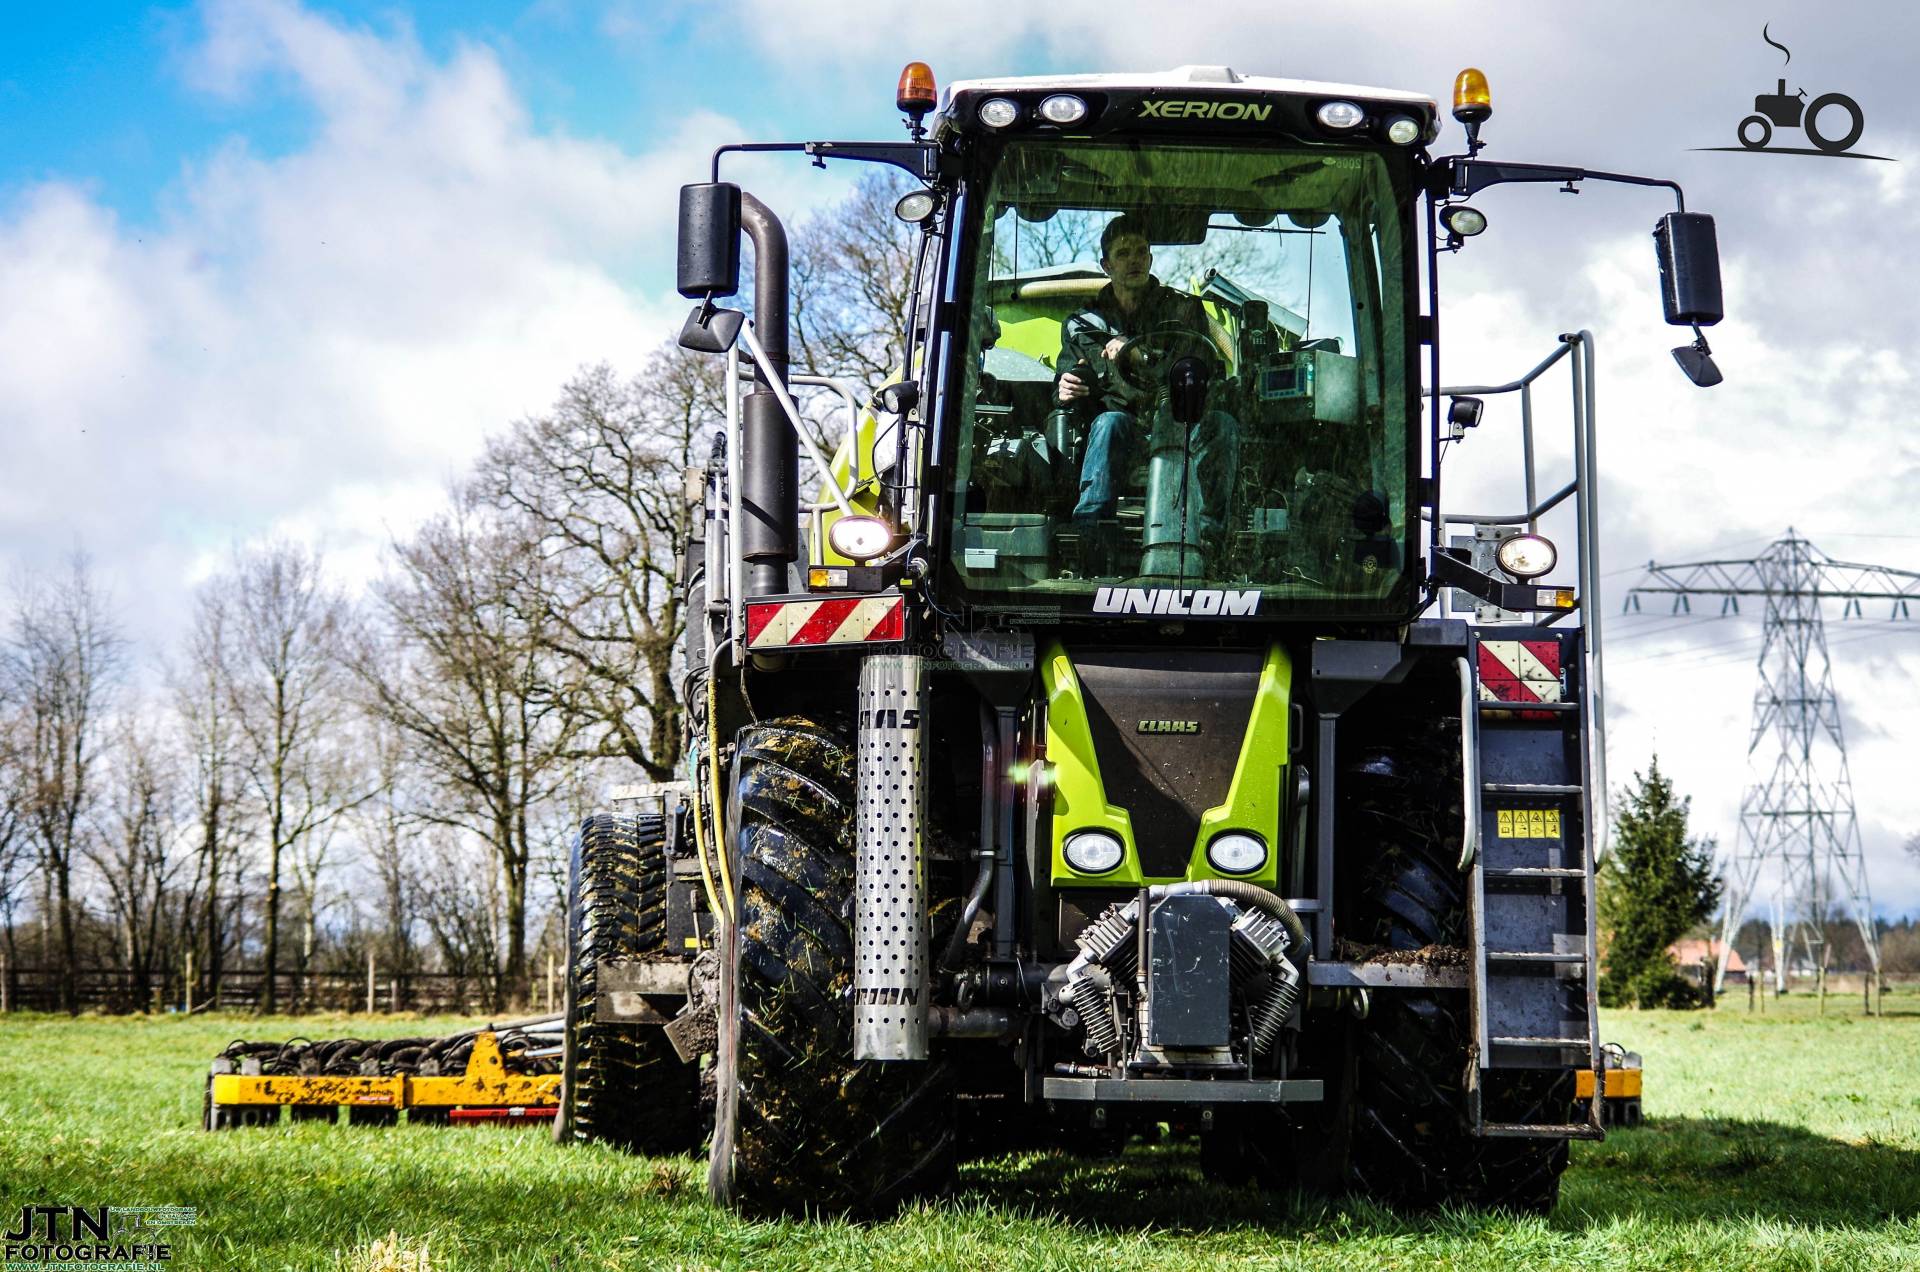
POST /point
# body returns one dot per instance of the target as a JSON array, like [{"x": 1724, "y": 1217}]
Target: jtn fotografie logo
[
  {"x": 1831, "y": 121},
  {"x": 93, "y": 1235}
]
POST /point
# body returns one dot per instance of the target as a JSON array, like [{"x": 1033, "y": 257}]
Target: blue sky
[
  {"x": 273, "y": 268},
  {"x": 103, "y": 94}
]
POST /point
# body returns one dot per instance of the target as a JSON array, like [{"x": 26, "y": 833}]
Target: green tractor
[{"x": 1123, "y": 737}]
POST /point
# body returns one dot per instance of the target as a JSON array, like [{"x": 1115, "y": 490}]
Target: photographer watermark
[{"x": 117, "y": 1238}]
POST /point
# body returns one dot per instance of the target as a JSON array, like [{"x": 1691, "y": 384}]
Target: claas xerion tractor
[{"x": 1055, "y": 776}]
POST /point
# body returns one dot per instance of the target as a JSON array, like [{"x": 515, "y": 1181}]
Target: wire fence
[{"x": 116, "y": 990}]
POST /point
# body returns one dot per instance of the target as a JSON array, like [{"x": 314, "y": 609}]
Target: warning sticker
[{"x": 1528, "y": 823}]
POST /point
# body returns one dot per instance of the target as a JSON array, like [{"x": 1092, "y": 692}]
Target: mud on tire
[
  {"x": 800, "y": 1125},
  {"x": 624, "y": 1084}
]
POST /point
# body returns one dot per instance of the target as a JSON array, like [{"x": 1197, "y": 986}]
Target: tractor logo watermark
[
  {"x": 114, "y": 1238},
  {"x": 1831, "y": 122}
]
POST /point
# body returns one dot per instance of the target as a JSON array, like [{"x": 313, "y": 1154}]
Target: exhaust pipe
[
  {"x": 890, "y": 874},
  {"x": 770, "y": 453}
]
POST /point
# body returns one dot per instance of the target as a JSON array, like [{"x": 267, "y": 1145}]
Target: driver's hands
[
  {"x": 1112, "y": 351},
  {"x": 1073, "y": 388}
]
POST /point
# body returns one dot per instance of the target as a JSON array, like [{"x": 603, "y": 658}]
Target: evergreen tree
[{"x": 1655, "y": 885}]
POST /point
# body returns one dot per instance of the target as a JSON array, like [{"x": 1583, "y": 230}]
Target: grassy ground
[{"x": 1777, "y": 1141}]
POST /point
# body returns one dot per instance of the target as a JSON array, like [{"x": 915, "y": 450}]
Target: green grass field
[{"x": 1775, "y": 1141}]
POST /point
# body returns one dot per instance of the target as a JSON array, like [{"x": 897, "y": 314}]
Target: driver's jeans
[{"x": 1111, "y": 442}]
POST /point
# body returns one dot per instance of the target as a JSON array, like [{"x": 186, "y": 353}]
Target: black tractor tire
[
  {"x": 1523, "y": 1175},
  {"x": 1410, "y": 1142},
  {"x": 800, "y": 1125},
  {"x": 623, "y": 1083}
]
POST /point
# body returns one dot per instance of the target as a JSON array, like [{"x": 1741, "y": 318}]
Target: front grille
[{"x": 1166, "y": 776}]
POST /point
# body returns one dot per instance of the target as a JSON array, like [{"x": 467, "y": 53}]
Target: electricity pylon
[{"x": 1802, "y": 815}]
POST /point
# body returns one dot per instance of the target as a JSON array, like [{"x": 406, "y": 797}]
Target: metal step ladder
[{"x": 1533, "y": 973}]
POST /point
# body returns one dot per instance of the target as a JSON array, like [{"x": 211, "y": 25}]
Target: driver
[{"x": 1133, "y": 304}]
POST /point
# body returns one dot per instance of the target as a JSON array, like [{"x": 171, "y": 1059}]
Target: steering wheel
[{"x": 1143, "y": 360}]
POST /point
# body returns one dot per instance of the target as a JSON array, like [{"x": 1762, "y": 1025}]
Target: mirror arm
[
  {"x": 1467, "y": 177},
  {"x": 920, "y": 158}
]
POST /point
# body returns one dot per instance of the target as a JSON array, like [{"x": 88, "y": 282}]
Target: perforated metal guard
[{"x": 890, "y": 894}]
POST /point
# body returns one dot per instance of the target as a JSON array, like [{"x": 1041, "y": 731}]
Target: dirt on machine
[{"x": 1117, "y": 730}]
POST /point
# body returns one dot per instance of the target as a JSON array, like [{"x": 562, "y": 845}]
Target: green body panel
[
  {"x": 865, "y": 499},
  {"x": 1079, "y": 798},
  {"x": 1252, "y": 801}
]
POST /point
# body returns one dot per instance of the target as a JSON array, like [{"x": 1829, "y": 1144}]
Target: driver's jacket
[{"x": 1084, "y": 337}]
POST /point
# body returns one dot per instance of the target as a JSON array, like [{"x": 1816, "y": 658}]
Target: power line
[{"x": 1800, "y": 822}]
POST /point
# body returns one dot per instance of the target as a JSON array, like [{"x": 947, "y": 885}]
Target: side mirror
[
  {"x": 710, "y": 329},
  {"x": 709, "y": 263},
  {"x": 1696, "y": 360},
  {"x": 1187, "y": 383},
  {"x": 1689, "y": 269}
]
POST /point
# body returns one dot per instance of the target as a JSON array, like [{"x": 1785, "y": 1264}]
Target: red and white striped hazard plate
[
  {"x": 1520, "y": 671},
  {"x": 840, "y": 620}
]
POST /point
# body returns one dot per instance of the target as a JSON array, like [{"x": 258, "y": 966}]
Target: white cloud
[{"x": 313, "y": 342}]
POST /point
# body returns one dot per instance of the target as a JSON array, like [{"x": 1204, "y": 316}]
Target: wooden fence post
[{"x": 369, "y": 980}]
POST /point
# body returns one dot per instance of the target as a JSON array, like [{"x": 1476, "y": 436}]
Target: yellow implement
[
  {"x": 486, "y": 1091},
  {"x": 1622, "y": 1084},
  {"x": 1621, "y": 1105}
]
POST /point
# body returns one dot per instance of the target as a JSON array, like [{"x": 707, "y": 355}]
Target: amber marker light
[
  {"x": 916, "y": 94},
  {"x": 1472, "y": 100}
]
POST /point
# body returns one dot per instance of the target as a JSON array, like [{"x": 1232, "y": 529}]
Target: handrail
[
  {"x": 1579, "y": 347},
  {"x": 735, "y": 599},
  {"x": 792, "y": 413}
]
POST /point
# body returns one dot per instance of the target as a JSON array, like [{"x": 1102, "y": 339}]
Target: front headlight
[
  {"x": 1093, "y": 851},
  {"x": 1063, "y": 109},
  {"x": 860, "y": 538},
  {"x": 999, "y": 112},
  {"x": 1526, "y": 556},
  {"x": 1340, "y": 115},
  {"x": 1236, "y": 852}
]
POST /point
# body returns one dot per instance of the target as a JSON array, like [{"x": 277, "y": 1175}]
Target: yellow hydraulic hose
[
  {"x": 700, "y": 844},
  {"x": 713, "y": 763}
]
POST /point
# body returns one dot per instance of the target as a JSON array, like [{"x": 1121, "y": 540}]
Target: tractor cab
[{"x": 1245, "y": 429}]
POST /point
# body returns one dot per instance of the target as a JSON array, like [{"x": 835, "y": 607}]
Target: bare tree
[
  {"x": 203, "y": 702},
  {"x": 596, "y": 487},
  {"x": 63, "y": 666},
  {"x": 462, "y": 904},
  {"x": 133, "y": 849},
  {"x": 309, "y": 857},
  {"x": 852, "y": 279},
  {"x": 385, "y": 824},
  {"x": 467, "y": 673},
  {"x": 290, "y": 704},
  {"x": 16, "y": 858}
]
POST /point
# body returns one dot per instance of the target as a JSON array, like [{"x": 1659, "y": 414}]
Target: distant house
[{"x": 1691, "y": 954}]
